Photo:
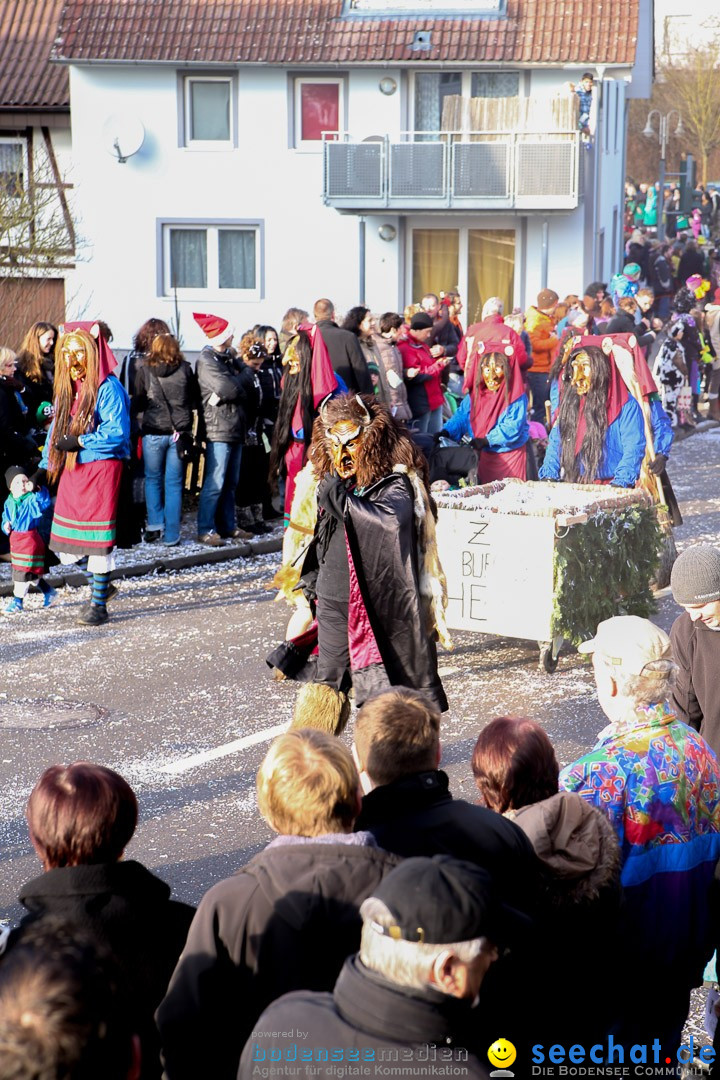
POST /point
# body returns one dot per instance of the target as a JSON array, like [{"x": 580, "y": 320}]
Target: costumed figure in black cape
[{"x": 370, "y": 573}]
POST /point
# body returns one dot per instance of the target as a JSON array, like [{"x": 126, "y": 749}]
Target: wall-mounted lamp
[
  {"x": 387, "y": 86},
  {"x": 387, "y": 232}
]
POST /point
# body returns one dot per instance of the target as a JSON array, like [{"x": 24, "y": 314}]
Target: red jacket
[{"x": 426, "y": 384}]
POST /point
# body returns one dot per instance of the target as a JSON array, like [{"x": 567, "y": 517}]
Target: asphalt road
[{"x": 174, "y": 693}]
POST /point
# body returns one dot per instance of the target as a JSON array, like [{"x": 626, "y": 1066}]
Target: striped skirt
[
  {"x": 84, "y": 522},
  {"x": 27, "y": 555}
]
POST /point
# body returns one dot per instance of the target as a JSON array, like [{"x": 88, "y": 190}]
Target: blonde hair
[
  {"x": 308, "y": 785},
  {"x": 6, "y": 355}
]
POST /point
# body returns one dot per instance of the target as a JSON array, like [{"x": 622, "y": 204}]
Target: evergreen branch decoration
[{"x": 603, "y": 568}]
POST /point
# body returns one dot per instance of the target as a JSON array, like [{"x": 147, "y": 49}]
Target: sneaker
[
  {"x": 49, "y": 597},
  {"x": 171, "y": 543},
  {"x": 240, "y": 534},
  {"x": 151, "y": 536},
  {"x": 260, "y": 528},
  {"x": 211, "y": 539},
  {"x": 112, "y": 591},
  {"x": 93, "y": 615},
  {"x": 14, "y": 606}
]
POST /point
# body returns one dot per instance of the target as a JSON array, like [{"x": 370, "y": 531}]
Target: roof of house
[
  {"x": 28, "y": 80},
  {"x": 317, "y": 32}
]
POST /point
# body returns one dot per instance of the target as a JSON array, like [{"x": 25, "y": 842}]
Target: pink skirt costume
[
  {"x": 27, "y": 555},
  {"x": 85, "y": 518},
  {"x": 492, "y": 466}
]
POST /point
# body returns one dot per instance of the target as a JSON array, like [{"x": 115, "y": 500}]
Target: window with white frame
[
  {"x": 212, "y": 257},
  {"x": 319, "y": 107},
  {"x": 208, "y": 106},
  {"x": 13, "y": 167}
]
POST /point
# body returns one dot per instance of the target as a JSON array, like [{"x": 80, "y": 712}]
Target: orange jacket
[{"x": 543, "y": 339}]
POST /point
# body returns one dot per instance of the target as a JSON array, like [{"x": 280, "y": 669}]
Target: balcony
[{"x": 456, "y": 170}]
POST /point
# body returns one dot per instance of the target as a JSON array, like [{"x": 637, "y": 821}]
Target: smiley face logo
[{"x": 502, "y": 1053}]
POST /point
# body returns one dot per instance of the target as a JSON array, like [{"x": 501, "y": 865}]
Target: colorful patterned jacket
[{"x": 658, "y": 782}]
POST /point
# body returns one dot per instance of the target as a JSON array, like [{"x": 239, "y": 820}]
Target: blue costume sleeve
[
  {"x": 46, "y": 448},
  {"x": 6, "y": 520},
  {"x": 550, "y": 469},
  {"x": 512, "y": 429},
  {"x": 40, "y": 501},
  {"x": 661, "y": 426},
  {"x": 111, "y": 435},
  {"x": 459, "y": 423},
  {"x": 554, "y": 396},
  {"x": 631, "y": 431}
]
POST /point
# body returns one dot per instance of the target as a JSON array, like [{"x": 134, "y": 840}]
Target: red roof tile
[
  {"x": 316, "y": 32},
  {"x": 27, "y": 78}
]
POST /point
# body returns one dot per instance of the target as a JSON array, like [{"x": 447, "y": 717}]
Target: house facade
[
  {"x": 240, "y": 158},
  {"x": 37, "y": 230}
]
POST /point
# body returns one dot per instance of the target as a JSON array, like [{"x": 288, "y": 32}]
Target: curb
[
  {"x": 75, "y": 579},
  {"x": 237, "y": 551}
]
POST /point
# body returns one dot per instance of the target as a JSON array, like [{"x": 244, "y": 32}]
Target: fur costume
[{"x": 381, "y": 521}]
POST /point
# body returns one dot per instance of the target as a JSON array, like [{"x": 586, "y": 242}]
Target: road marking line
[{"x": 184, "y": 764}]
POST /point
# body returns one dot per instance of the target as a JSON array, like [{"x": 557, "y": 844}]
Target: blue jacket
[
  {"x": 511, "y": 431},
  {"x": 26, "y": 513},
  {"x": 624, "y": 449},
  {"x": 661, "y": 426},
  {"x": 110, "y": 435}
]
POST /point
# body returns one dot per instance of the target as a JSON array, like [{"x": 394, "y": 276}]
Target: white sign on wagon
[{"x": 499, "y": 571}]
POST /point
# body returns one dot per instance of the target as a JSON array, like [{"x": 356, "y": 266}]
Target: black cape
[{"x": 383, "y": 542}]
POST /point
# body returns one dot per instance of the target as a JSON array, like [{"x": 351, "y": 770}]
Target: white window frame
[
  {"x": 18, "y": 140},
  {"x": 314, "y": 145},
  {"x": 208, "y": 144},
  {"x": 212, "y": 290}
]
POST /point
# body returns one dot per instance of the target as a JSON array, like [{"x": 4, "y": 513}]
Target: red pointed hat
[{"x": 215, "y": 329}]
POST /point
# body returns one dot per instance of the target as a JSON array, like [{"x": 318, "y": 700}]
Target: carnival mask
[
  {"x": 345, "y": 437},
  {"x": 492, "y": 372},
  {"x": 291, "y": 360},
  {"x": 74, "y": 354},
  {"x": 581, "y": 373}
]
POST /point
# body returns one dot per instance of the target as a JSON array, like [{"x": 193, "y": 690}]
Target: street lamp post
[{"x": 662, "y": 134}]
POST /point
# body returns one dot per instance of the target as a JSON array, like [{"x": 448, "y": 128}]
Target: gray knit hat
[{"x": 695, "y": 577}]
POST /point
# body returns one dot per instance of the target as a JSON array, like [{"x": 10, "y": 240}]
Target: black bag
[
  {"x": 453, "y": 464},
  {"x": 187, "y": 446},
  {"x": 188, "y": 449}
]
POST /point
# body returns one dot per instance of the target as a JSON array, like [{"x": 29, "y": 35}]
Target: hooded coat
[
  {"x": 286, "y": 921},
  {"x": 129, "y": 911},
  {"x": 374, "y": 1021}
]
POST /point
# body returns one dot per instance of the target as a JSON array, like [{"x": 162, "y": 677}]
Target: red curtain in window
[{"x": 319, "y": 109}]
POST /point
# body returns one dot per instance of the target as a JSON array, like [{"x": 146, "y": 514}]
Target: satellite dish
[{"x": 123, "y": 135}]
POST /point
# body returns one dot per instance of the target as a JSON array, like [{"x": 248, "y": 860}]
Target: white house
[{"x": 243, "y": 157}]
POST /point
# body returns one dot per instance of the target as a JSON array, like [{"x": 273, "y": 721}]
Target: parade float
[{"x": 546, "y": 561}]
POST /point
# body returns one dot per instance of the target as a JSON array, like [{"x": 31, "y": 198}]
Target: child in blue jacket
[{"x": 23, "y": 512}]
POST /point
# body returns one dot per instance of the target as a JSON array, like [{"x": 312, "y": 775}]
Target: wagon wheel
[{"x": 549, "y": 653}]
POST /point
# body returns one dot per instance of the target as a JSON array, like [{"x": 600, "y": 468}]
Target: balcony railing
[{"x": 457, "y": 170}]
